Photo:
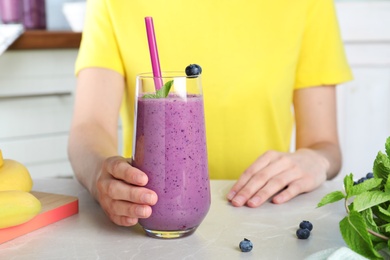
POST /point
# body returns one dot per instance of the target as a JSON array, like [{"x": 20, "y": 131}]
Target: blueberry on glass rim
[{"x": 193, "y": 70}]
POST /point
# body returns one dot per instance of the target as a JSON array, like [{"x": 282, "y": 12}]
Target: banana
[
  {"x": 17, "y": 207},
  {"x": 14, "y": 175}
]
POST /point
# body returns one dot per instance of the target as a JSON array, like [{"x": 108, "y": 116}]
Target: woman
[{"x": 267, "y": 65}]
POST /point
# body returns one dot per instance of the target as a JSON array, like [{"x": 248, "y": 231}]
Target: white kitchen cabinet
[{"x": 36, "y": 103}]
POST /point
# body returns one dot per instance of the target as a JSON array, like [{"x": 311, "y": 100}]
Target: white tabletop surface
[{"x": 271, "y": 228}]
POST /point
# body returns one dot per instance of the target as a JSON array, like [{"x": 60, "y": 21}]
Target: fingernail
[
  {"x": 239, "y": 200},
  {"x": 140, "y": 211},
  {"x": 131, "y": 221},
  {"x": 230, "y": 195},
  {"x": 255, "y": 201},
  {"x": 278, "y": 199},
  {"x": 147, "y": 198},
  {"x": 140, "y": 179}
]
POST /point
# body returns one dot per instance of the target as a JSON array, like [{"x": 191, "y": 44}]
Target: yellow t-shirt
[{"x": 253, "y": 53}]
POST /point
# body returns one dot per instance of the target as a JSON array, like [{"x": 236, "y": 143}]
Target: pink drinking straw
[{"x": 153, "y": 53}]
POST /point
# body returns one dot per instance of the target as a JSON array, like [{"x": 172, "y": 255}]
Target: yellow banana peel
[
  {"x": 14, "y": 175},
  {"x": 17, "y": 207}
]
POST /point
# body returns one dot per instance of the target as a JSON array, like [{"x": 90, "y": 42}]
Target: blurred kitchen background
[{"x": 37, "y": 85}]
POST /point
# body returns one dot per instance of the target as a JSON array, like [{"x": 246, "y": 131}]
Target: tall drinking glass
[{"x": 170, "y": 147}]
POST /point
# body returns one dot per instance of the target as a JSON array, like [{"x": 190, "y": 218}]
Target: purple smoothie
[{"x": 171, "y": 150}]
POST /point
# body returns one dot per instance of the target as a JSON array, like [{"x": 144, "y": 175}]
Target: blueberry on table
[
  {"x": 361, "y": 180},
  {"x": 303, "y": 233},
  {"x": 193, "y": 70},
  {"x": 246, "y": 245},
  {"x": 370, "y": 175},
  {"x": 306, "y": 224}
]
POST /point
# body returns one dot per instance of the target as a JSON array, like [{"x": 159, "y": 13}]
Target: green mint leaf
[
  {"x": 387, "y": 185},
  {"x": 354, "y": 232},
  {"x": 348, "y": 184},
  {"x": 387, "y": 227},
  {"x": 369, "y": 199},
  {"x": 330, "y": 198},
  {"x": 149, "y": 96},
  {"x": 382, "y": 166},
  {"x": 381, "y": 245},
  {"x": 164, "y": 90},
  {"x": 368, "y": 216},
  {"x": 382, "y": 213},
  {"x": 367, "y": 185},
  {"x": 387, "y": 146}
]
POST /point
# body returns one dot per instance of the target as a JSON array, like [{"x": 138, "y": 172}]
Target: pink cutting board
[{"x": 54, "y": 208}]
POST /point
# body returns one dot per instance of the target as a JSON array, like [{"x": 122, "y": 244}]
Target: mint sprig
[
  {"x": 354, "y": 226},
  {"x": 366, "y": 228},
  {"x": 162, "y": 92}
]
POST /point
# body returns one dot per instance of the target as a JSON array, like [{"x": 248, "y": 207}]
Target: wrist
[{"x": 321, "y": 161}]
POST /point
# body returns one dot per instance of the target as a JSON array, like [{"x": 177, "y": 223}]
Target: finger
[
  {"x": 119, "y": 190},
  {"x": 130, "y": 210},
  {"x": 293, "y": 190},
  {"x": 262, "y": 162},
  {"x": 272, "y": 187},
  {"x": 123, "y": 220},
  {"x": 259, "y": 180},
  {"x": 120, "y": 168}
]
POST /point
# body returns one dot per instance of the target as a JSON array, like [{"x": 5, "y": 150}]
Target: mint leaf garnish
[
  {"x": 150, "y": 96},
  {"x": 162, "y": 92},
  {"x": 366, "y": 228}
]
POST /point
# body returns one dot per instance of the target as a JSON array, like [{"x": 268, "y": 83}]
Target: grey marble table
[{"x": 271, "y": 228}]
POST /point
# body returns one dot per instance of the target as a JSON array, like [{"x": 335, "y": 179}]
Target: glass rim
[{"x": 166, "y": 74}]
